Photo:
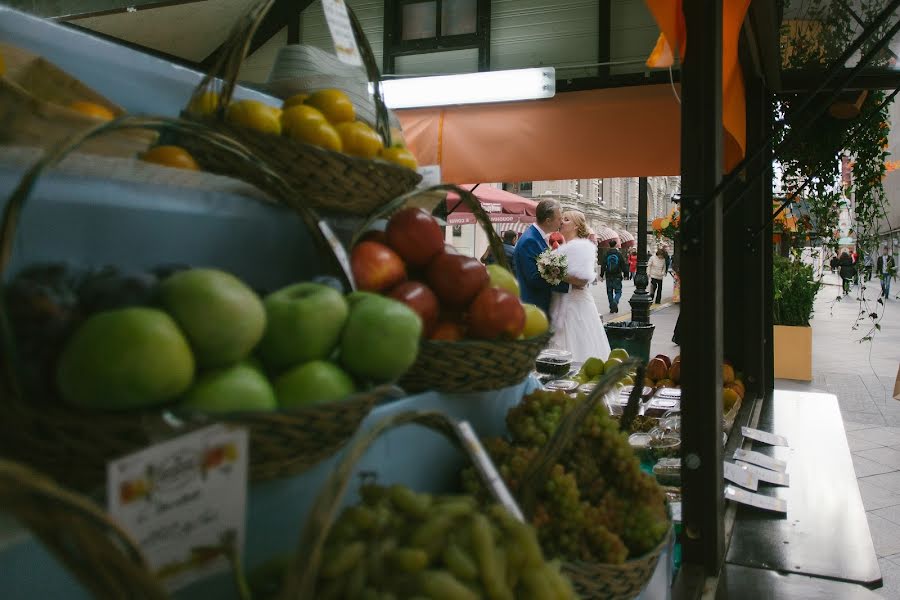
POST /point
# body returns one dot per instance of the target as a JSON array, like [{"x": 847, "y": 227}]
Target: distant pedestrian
[
  {"x": 656, "y": 270},
  {"x": 509, "y": 247},
  {"x": 867, "y": 266},
  {"x": 632, "y": 265},
  {"x": 611, "y": 269},
  {"x": 847, "y": 271},
  {"x": 886, "y": 270},
  {"x": 835, "y": 262}
]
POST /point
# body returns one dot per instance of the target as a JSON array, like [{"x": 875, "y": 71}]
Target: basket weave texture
[{"x": 74, "y": 446}]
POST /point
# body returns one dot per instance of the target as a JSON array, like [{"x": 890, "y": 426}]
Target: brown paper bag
[{"x": 897, "y": 385}]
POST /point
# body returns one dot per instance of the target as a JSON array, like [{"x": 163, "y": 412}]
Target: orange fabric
[
  {"x": 670, "y": 20},
  {"x": 661, "y": 57},
  {"x": 618, "y": 132}
]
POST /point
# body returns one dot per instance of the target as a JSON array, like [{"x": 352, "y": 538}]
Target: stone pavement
[{"x": 861, "y": 375}]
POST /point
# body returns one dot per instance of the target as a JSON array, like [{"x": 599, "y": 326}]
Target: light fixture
[{"x": 470, "y": 88}]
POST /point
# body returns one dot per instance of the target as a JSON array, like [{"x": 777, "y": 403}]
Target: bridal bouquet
[{"x": 552, "y": 266}]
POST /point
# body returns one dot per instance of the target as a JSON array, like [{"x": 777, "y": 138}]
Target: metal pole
[
  {"x": 641, "y": 298},
  {"x": 701, "y": 290}
]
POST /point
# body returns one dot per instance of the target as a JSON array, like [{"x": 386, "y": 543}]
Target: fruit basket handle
[
  {"x": 466, "y": 197},
  {"x": 225, "y": 69},
  {"x": 100, "y": 555},
  {"x": 538, "y": 471},
  {"x": 273, "y": 184},
  {"x": 300, "y": 581}
]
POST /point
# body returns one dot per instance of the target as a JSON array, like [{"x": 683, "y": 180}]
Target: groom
[{"x": 533, "y": 288}]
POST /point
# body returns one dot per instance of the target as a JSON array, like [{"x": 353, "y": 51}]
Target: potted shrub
[{"x": 795, "y": 291}]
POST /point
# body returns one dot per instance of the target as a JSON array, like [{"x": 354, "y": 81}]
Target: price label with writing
[
  {"x": 184, "y": 501},
  {"x": 764, "y": 436},
  {"x": 759, "y": 459},
  {"x": 431, "y": 175},
  {"x": 740, "y": 475},
  {"x": 766, "y": 475},
  {"x": 756, "y": 500},
  {"x": 341, "y": 32}
]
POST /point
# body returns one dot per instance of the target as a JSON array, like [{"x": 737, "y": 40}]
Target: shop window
[
  {"x": 423, "y": 26},
  {"x": 526, "y": 186}
]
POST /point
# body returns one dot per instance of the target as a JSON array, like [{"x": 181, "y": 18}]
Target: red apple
[
  {"x": 496, "y": 313},
  {"x": 421, "y": 299},
  {"x": 376, "y": 267},
  {"x": 665, "y": 359},
  {"x": 456, "y": 279},
  {"x": 415, "y": 236},
  {"x": 447, "y": 331},
  {"x": 374, "y": 235}
]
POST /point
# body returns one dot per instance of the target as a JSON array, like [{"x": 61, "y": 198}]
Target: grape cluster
[
  {"x": 596, "y": 505},
  {"x": 401, "y": 544}
]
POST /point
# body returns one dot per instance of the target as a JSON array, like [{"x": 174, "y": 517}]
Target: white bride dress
[{"x": 574, "y": 317}]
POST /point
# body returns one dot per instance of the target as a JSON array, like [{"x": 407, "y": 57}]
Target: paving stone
[
  {"x": 890, "y": 576},
  {"x": 863, "y": 417},
  {"x": 888, "y": 457},
  {"x": 886, "y": 436},
  {"x": 887, "y": 481},
  {"x": 885, "y": 535},
  {"x": 875, "y": 497},
  {"x": 867, "y": 468},
  {"x": 860, "y": 444},
  {"x": 891, "y": 513},
  {"x": 853, "y": 426}
]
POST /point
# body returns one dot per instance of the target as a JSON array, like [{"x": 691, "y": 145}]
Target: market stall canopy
[
  {"x": 605, "y": 235},
  {"x": 500, "y": 205},
  {"x": 618, "y": 132},
  {"x": 627, "y": 239}
]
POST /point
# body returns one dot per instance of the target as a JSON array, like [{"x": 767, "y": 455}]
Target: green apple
[
  {"x": 611, "y": 363},
  {"x": 240, "y": 387},
  {"x": 125, "y": 359},
  {"x": 304, "y": 323},
  {"x": 628, "y": 380},
  {"x": 311, "y": 383},
  {"x": 503, "y": 279},
  {"x": 381, "y": 339},
  {"x": 222, "y": 317},
  {"x": 619, "y": 353},
  {"x": 593, "y": 367}
]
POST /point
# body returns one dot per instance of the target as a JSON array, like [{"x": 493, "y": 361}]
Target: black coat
[{"x": 848, "y": 269}]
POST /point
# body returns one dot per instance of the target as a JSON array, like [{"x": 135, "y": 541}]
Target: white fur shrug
[{"x": 582, "y": 258}]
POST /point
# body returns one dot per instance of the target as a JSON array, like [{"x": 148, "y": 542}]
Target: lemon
[
  {"x": 171, "y": 156},
  {"x": 92, "y": 109},
  {"x": 358, "y": 139},
  {"x": 400, "y": 156},
  {"x": 317, "y": 133},
  {"x": 204, "y": 105},
  {"x": 295, "y": 100},
  {"x": 293, "y": 117},
  {"x": 255, "y": 115},
  {"x": 334, "y": 104}
]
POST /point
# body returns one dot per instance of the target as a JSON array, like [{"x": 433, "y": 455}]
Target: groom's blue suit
[{"x": 533, "y": 288}]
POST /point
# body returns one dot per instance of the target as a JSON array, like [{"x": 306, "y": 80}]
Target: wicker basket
[
  {"x": 593, "y": 581},
  {"x": 326, "y": 180},
  {"x": 34, "y": 99},
  {"x": 467, "y": 365},
  {"x": 100, "y": 555},
  {"x": 74, "y": 446}
]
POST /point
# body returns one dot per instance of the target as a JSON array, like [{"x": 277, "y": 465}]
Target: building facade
[{"x": 609, "y": 203}]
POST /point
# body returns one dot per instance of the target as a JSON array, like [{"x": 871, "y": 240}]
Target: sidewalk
[{"x": 861, "y": 375}]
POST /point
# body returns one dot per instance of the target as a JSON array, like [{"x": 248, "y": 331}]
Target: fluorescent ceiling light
[{"x": 470, "y": 88}]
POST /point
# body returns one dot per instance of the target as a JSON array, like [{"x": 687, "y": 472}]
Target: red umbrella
[
  {"x": 628, "y": 240},
  {"x": 500, "y": 205},
  {"x": 605, "y": 235}
]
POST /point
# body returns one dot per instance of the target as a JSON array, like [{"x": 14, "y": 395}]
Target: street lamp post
[{"x": 641, "y": 299}]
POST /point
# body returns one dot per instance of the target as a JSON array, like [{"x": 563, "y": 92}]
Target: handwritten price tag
[
  {"x": 184, "y": 501},
  {"x": 740, "y": 475},
  {"x": 766, "y": 475},
  {"x": 756, "y": 458},
  {"x": 341, "y": 32},
  {"x": 764, "y": 436},
  {"x": 756, "y": 500}
]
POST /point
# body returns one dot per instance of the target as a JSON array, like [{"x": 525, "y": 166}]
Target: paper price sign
[
  {"x": 741, "y": 475},
  {"x": 341, "y": 32},
  {"x": 756, "y": 458},
  {"x": 766, "y": 475},
  {"x": 184, "y": 502},
  {"x": 764, "y": 436},
  {"x": 756, "y": 500}
]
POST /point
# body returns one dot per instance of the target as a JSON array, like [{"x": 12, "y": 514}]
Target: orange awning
[
  {"x": 618, "y": 132},
  {"x": 670, "y": 20}
]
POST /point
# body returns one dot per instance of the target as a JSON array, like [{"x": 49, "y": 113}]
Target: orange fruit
[
  {"x": 295, "y": 100},
  {"x": 256, "y": 115},
  {"x": 729, "y": 399},
  {"x": 170, "y": 156},
  {"x": 358, "y": 139},
  {"x": 293, "y": 118},
  {"x": 92, "y": 109},
  {"x": 203, "y": 105},
  {"x": 400, "y": 156},
  {"x": 317, "y": 133},
  {"x": 334, "y": 104}
]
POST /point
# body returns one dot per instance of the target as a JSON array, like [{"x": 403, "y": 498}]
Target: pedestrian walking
[
  {"x": 612, "y": 268},
  {"x": 656, "y": 270},
  {"x": 887, "y": 270},
  {"x": 632, "y": 265},
  {"x": 847, "y": 270}
]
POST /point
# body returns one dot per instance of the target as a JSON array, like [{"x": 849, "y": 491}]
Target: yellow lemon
[
  {"x": 255, "y": 115},
  {"x": 317, "y": 133},
  {"x": 400, "y": 156},
  {"x": 295, "y": 100},
  {"x": 334, "y": 104},
  {"x": 92, "y": 109},
  {"x": 171, "y": 156},
  {"x": 204, "y": 105},
  {"x": 397, "y": 138},
  {"x": 293, "y": 117},
  {"x": 358, "y": 139}
]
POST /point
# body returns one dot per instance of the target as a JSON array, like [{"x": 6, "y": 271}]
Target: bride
[{"x": 574, "y": 314}]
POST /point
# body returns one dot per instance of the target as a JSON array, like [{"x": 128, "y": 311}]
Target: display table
[{"x": 825, "y": 533}]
